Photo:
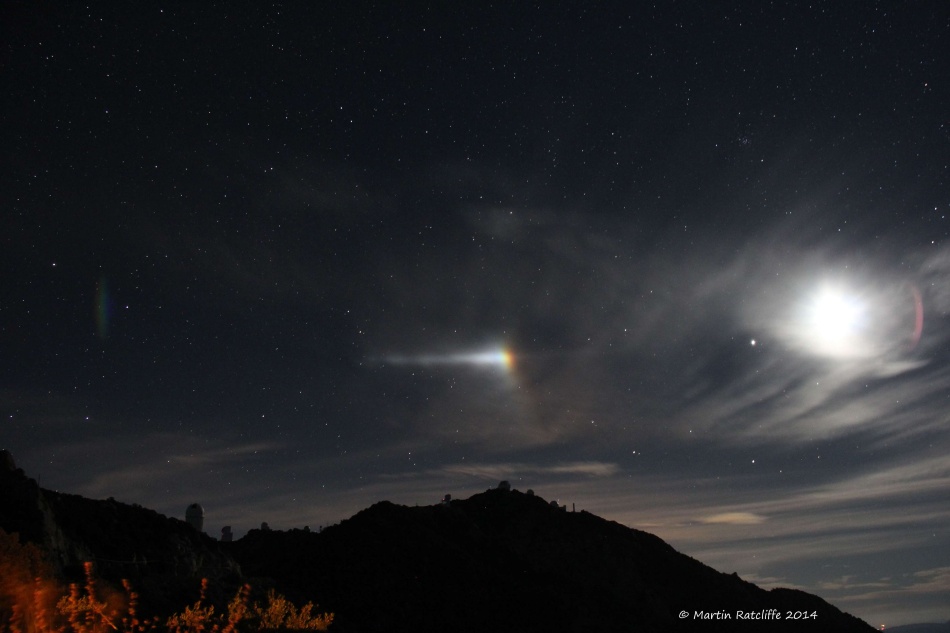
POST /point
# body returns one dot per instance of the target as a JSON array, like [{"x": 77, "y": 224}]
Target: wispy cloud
[
  {"x": 526, "y": 470},
  {"x": 734, "y": 518},
  {"x": 147, "y": 469},
  {"x": 911, "y": 597}
]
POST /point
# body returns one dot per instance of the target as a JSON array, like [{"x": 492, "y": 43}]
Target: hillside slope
[
  {"x": 498, "y": 561},
  {"x": 165, "y": 558},
  {"x": 506, "y": 561}
]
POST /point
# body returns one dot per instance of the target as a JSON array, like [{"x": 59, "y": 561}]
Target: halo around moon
[{"x": 854, "y": 321}]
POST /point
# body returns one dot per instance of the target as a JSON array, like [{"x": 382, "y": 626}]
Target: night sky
[{"x": 686, "y": 266}]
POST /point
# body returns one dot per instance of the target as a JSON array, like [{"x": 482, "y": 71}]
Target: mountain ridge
[
  {"x": 538, "y": 566},
  {"x": 500, "y": 560}
]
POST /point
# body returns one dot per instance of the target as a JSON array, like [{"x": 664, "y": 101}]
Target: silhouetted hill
[
  {"x": 498, "y": 561},
  {"x": 506, "y": 561},
  {"x": 165, "y": 558}
]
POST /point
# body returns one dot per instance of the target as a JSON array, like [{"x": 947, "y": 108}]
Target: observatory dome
[{"x": 195, "y": 516}]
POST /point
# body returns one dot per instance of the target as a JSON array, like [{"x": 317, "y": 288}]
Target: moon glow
[
  {"x": 857, "y": 322},
  {"x": 835, "y": 315},
  {"x": 833, "y": 323}
]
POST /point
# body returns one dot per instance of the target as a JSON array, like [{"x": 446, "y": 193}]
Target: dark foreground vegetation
[{"x": 498, "y": 561}]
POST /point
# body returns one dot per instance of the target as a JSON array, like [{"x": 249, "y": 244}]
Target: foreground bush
[
  {"x": 32, "y": 602},
  {"x": 276, "y": 614}
]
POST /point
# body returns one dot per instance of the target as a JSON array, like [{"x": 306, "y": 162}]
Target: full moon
[
  {"x": 858, "y": 321},
  {"x": 835, "y": 315},
  {"x": 834, "y": 323}
]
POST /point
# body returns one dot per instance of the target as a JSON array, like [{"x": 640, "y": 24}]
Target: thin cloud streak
[
  {"x": 734, "y": 518},
  {"x": 524, "y": 470},
  {"x": 147, "y": 470},
  {"x": 909, "y": 596}
]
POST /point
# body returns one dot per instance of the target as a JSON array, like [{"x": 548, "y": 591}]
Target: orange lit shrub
[
  {"x": 27, "y": 593},
  {"x": 277, "y": 614},
  {"x": 31, "y": 601}
]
